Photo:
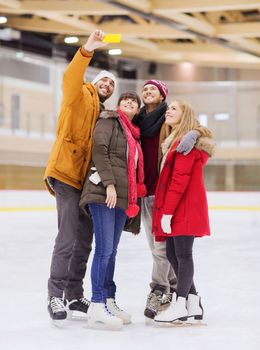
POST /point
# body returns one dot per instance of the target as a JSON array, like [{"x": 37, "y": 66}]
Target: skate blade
[
  {"x": 171, "y": 324},
  {"x": 59, "y": 323},
  {"x": 196, "y": 323},
  {"x": 104, "y": 327},
  {"x": 180, "y": 324},
  {"x": 149, "y": 321},
  {"x": 126, "y": 322},
  {"x": 76, "y": 315}
]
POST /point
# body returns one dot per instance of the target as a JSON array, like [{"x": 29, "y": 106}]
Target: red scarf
[{"x": 136, "y": 187}]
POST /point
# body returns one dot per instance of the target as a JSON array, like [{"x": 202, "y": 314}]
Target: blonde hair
[{"x": 188, "y": 122}]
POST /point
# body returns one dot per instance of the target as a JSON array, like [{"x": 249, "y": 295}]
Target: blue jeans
[{"x": 108, "y": 226}]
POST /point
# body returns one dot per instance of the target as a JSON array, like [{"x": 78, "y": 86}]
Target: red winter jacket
[{"x": 181, "y": 192}]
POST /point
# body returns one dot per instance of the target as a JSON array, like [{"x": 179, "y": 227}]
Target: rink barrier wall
[{"x": 227, "y": 176}]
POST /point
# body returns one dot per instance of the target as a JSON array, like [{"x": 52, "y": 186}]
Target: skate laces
[
  {"x": 108, "y": 311},
  {"x": 116, "y": 306},
  {"x": 166, "y": 298},
  {"x": 84, "y": 301},
  {"x": 57, "y": 304}
]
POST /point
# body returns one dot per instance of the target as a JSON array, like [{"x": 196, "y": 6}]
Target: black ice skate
[
  {"x": 77, "y": 308},
  {"x": 56, "y": 309}
]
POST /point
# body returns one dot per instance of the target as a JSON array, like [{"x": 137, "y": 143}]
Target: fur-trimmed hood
[
  {"x": 206, "y": 144},
  {"x": 108, "y": 114}
]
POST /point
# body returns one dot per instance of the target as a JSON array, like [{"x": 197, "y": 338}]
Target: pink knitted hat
[{"x": 160, "y": 85}]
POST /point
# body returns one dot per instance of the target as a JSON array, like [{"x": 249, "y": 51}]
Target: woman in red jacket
[{"x": 180, "y": 208}]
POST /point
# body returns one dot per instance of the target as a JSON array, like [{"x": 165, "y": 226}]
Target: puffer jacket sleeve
[
  {"x": 179, "y": 181},
  {"x": 100, "y": 150},
  {"x": 73, "y": 77}
]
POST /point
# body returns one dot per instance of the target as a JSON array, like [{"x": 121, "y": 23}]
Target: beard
[{"x": 103, "y": 98}]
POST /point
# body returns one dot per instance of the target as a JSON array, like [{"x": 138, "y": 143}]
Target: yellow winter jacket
[{"x": 71, "y": 152}]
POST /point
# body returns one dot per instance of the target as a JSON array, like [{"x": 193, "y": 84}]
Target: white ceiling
[{"x": 210, "y": 33}]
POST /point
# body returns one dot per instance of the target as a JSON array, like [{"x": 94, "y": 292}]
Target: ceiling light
[
  {"x": 114, "y": 52},
  {"x": 71, "y": 39},
  {"x": 221, "y": 116},
  {"x": 3, "y": 19}
]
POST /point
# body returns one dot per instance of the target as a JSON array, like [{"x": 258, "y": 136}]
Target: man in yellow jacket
[{"x": 64, "y": 177}]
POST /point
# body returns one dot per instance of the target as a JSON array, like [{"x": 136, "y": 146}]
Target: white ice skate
[
  {"x": 115, "y": 310},
  {"x": 176, "y": 312},
  {"x": 194, "y": 307},
  {"x": 195, "y": 311},
  {"x": 99, "y": 317}
]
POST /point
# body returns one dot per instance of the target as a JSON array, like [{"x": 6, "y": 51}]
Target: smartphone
[{"x": 112, "y": 38}]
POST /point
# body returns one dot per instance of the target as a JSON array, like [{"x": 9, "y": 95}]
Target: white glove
[
  {"x": 166, "y": 223},
  {"x": 95, "y": 178}
]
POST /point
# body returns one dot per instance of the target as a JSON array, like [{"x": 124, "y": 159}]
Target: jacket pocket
[{"x": 70, "y": 160}]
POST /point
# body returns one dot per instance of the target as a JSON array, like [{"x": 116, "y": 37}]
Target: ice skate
[
  {"x": 153, "y": 303},
  {"x": 194, "y": 307},
  {"x": 77, "y": 308},
  {"x": 57, "y": 311},
  {"x": 116, "y": 311},
  {"x": 99, "y": 317},
  {"x": 176, "y": 311},
  {"x": 195, "y": 311}
]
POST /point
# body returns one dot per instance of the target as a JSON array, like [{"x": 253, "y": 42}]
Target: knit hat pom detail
[
  {"x": 141, "y": 190},
  {"x": 132, "y": 210}
]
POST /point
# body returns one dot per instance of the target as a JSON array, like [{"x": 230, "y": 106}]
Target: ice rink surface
[{"x": 227, "y": 276}]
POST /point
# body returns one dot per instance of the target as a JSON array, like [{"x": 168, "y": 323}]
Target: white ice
[{"x": 227, "y": 276}]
